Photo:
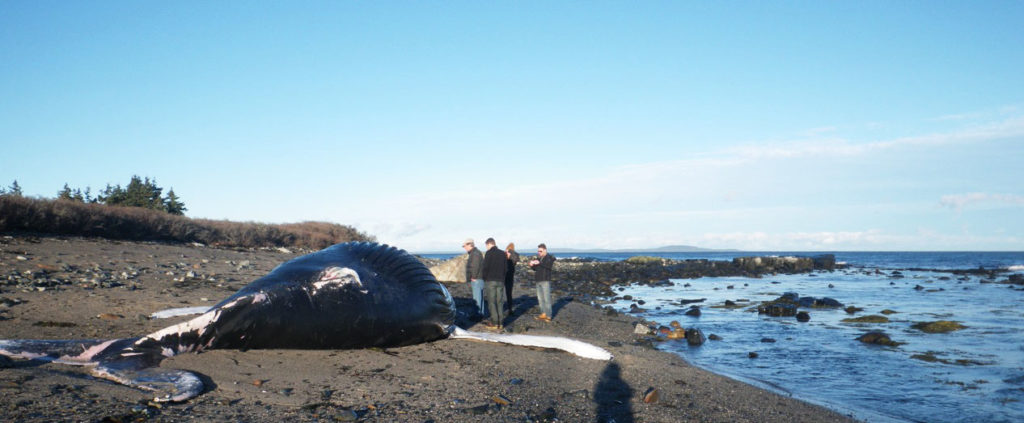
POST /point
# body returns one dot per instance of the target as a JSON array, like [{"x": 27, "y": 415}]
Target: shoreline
[{"x": 94, "y": 288}]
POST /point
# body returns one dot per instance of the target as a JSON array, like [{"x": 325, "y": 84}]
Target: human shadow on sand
[{"x": 612, "y": 395}]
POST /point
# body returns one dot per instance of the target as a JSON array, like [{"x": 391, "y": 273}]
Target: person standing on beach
[
  {"x": 474, "y": 273},
  {"x": 543, "y": 266},
  {"x": 510, "y": 273},
  {"x": 494, "y": 281}
]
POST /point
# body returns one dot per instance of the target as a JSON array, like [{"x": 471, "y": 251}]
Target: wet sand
[{"x": 97, "y": 296}]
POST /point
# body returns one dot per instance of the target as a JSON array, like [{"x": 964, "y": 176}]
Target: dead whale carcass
[{"x": 352, "y": 295}]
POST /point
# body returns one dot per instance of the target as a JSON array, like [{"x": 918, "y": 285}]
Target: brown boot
[{"x": 543, "y": 317}]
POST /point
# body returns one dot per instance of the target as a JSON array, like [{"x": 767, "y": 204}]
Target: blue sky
[{"x": 808, "y": 125}]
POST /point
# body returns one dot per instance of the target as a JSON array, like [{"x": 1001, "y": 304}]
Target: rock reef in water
[
  {"x": 787, "y": 304},
  {"x": 878, "y": 338},
  {"x": 940, "y": 326},
  {"x": 871, "y": 318}
]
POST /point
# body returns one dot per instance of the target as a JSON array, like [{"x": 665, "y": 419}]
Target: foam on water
[{"x": 821, "y": 360}]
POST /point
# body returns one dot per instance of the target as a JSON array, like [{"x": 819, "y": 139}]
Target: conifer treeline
[
  {"x": 140, "y": 192},
  {"x": 140, "y": 212}
]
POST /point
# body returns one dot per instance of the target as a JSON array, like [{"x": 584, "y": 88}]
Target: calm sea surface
[{"x": 822, "y": 362}]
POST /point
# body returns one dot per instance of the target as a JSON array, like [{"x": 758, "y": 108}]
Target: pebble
[
  {"x": 501, "y": 400},
  {"x": 651, "y": 396}
]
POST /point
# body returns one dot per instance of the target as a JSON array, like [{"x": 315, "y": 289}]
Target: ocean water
[{"x": 980, "y": 373}]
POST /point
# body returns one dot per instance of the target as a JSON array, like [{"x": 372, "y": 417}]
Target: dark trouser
[
  {"x": 508, "y": 294},
  {"x": 494, "y": 293}
]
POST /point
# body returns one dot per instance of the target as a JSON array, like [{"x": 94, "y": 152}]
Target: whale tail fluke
[
  {"x": 167, "y": 384},
  {"x": 113, "y": 359},
  {"x": 572, "y": 346}
]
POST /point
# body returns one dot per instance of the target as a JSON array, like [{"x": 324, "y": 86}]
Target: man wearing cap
[{"x": 474, "y": 273}]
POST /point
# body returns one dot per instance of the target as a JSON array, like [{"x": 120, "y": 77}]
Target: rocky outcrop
[
  {"x": 788, "y": 304},
  {"x": 453, "y": 270}
]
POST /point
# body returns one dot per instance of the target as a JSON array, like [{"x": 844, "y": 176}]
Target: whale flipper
[
  {"x": 181, "y": 311},
  {"x": 572, "y": 346}
]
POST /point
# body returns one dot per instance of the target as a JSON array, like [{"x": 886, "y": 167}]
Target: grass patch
[{"x": 644, "y": 260}]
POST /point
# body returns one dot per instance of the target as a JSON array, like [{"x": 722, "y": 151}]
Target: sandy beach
[{"x": 73, "y": 288}]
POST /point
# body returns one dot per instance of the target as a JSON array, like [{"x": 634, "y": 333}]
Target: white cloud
[
  {"x": 840, "y": 147},
  {"x": 959, "y": 201}
]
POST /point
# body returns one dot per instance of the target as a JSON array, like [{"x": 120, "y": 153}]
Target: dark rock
[
  {"x": 478, "y": 410},
  {"x": 803, "y": 316},
  {"x": 693, "y": 311},
  {"x": 752, "y": 354},
  {"x": 714, "y": 337},
  {"x": 852, "y": 309},
  {"x": 768, "y": 340},
  {"x": 918, "y": 288},
  {"x": 824, "y": 261},
  {"x": 694, "y": 336},
  {"x": 685, "y": 302},
  {"x": 871, "y": 318},
  {"x": 777, "y": 309},
  {"x": 878, "y": 338},
  {"x": 940, "y": 326}
]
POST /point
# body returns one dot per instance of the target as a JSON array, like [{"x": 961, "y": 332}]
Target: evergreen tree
[
  {"x": 75, "y": 194},
  {"x": 112, "y": 196},
  {"x": 13, "y": 190},
  {"x": 140, "y": 192},
  {"x": 173, "y": 204},
  {"x": 65, "y": 194}
]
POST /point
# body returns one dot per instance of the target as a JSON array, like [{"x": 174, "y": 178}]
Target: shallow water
[{"x": 821, "y": 360}]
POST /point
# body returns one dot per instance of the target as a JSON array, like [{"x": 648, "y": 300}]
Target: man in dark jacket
[
  {"x": 494, "y": 284},
  {"x": 474, "y": 273},
  {"x": 543, "y": 265}
]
